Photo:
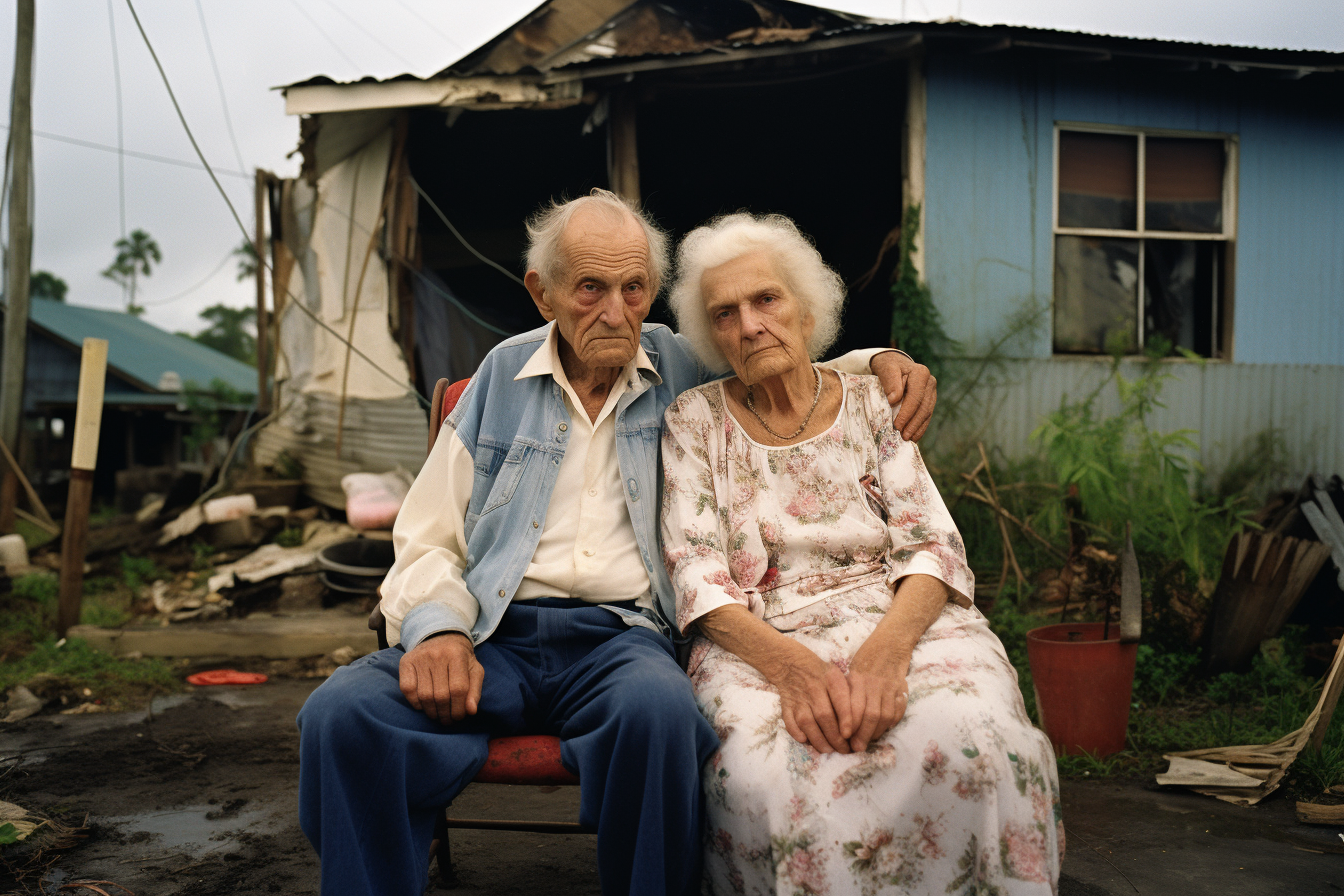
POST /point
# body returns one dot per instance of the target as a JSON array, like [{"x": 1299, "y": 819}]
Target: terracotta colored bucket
[{"x": 1083, "y": 686}]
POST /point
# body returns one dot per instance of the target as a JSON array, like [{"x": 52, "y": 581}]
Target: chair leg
[{"x": 444, "y": 852}]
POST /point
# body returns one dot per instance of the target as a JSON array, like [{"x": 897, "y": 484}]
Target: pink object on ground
[{"x": 373, "y": 500}]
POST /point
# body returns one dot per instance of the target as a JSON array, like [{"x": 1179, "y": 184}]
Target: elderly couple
[{"x": 847, "y": 723}]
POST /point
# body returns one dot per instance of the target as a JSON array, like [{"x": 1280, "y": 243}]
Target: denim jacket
[{"x": 512, "y": 428}]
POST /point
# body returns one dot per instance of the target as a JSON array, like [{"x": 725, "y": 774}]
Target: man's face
[{"x": 602, "y": 295}]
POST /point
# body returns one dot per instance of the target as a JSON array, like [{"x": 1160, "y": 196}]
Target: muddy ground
[{"x": 199, "y": 798}]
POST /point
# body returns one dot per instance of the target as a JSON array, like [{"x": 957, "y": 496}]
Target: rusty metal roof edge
[{"x": 867, "y": 31}]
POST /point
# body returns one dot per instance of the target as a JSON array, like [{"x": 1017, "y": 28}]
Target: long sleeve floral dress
[{"x": 961, "y": 796}]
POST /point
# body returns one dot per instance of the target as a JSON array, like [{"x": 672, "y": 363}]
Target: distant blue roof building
[{"x": 146, "y": 366}]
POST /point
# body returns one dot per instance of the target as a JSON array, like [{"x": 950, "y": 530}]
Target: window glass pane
[
  {"x": 1183, "y": 180},
  {"x": 1096, "y": 294},
  {"x": 1181, "y": 291},
  {"x": 1098, "y": 180}
]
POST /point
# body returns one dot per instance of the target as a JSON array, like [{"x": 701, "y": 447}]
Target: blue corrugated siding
[{"x": 989, "y": 185}]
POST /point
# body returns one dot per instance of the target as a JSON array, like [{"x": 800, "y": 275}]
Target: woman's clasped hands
[{"x": 836, "y": 712}]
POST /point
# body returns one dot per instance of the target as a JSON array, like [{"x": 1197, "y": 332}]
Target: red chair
[{"x": 532, "y": 759}]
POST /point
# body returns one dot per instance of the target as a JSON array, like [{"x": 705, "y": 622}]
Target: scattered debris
[
  {"x": 1315, "y": 813},
  {"x": 272, "y": 560},
  {"x": 301, "y": 592},
  {"x": 1264, "y": 575},
  {"x": 1266, "y": 763},
  {"x": 18, "y": 817},
  {"x": 372, "y": 500},
  {"x": 21, "y": 704}
]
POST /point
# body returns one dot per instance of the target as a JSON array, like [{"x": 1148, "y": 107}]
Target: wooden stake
[
  {"x": 38, "y": 507},
  {"x": 83, "y": 460}
]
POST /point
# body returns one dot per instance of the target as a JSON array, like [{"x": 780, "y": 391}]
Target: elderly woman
[{"x": 873, "y": 736}]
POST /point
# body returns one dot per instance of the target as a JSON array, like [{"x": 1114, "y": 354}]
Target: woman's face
[{"x": 757, "y": 322}]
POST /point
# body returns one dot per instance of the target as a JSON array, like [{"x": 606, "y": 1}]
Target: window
[{"x": 1143, "y": 223}]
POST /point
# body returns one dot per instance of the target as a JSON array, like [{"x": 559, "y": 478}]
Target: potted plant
[{"x": 1084, "y": 672}]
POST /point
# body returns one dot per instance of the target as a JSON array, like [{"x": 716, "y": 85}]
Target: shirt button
[
  {"x": 564, "y": 426},
  {"x": 501, "y": 592},
  {"x": 535, "y": 524},
  {"x": 588, "y": 553},
  {"x": 592, "y": 491}
]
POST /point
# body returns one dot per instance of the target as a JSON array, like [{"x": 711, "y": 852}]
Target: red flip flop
[{"x": 226, "y": 676}]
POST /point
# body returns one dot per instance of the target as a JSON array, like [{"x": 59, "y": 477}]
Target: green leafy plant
[
  {"x": 1158, "y": 673},
  {"x": 209, "y": 408},
  {"x": 1124, "y": 471},
  {"x": 290, "y": 537},
  {"x": 201, "y": 556},
  {"x": 916, "y": 325},
  {"x": 8, "y": 834},
  {"x": 137, "y": 572}
]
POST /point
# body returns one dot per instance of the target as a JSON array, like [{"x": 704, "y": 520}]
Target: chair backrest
[{"x": 442, "y": 404}]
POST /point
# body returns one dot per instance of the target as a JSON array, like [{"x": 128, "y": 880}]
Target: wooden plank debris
[{"x": 1267, "y": 763}]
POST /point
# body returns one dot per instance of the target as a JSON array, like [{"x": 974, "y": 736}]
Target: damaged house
[{"x": 1080, "y": 194}]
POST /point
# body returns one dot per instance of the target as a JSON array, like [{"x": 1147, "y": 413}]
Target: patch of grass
[
  {"x": 138, "y": 572},
  {"x": 1088, "y": 765},
  {"x": 1157, "y": 674},
  {"x": 29, "y": 649},
  {"x": 1317, "y": 770},
  {"x": 106, "y": 610},
  {"x": 75, "y": 664}
]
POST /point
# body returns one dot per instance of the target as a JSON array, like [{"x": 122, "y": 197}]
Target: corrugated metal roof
[
  {"x": 564, "y": 33},
  {"x": 140, "y": 350}
]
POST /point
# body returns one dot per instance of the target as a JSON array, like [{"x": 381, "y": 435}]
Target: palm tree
[{"x": 135, "y": 256}]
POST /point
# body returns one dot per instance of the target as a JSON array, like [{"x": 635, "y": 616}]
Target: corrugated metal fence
[{"x": 1226, "y": 404}]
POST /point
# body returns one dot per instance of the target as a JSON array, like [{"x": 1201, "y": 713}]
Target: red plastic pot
[{"x": 1083, "y": 686}]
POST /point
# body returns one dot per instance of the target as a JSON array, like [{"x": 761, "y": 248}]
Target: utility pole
[
  {"x": 19, "y": 262},
  {"x": 263, "y": 332}
]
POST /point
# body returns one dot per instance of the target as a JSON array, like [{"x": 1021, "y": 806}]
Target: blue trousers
[{"x": 373, "y": 772}]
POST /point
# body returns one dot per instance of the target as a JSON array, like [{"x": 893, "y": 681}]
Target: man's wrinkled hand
[
  {"x": 910, "y": 385},
  {"x": 441, "y": 677}
]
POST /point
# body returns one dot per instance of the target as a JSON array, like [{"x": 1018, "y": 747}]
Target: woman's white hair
[
  {"x": 725, "y": 238},
  {"x": 546, "y": 230}
]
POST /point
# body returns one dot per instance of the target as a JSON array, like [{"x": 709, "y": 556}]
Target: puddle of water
[{"x": 191, "y": 829}]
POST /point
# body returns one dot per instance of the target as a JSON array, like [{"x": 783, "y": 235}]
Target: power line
[
  {"x": 219, "y": 82},
  {"x": 121, "y": 143},
  {"x": 312, "y": 21},
  {"x": 431, "y": 25},
  {"x": 463, "y": 240},
  {"x": 296, "y": 302},
  {"x": 186, "y": 292},
  {"x": 149, "y": 157},
  {"x": 362, "y": 30}
]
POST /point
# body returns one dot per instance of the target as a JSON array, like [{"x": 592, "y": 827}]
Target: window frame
[{"x": 1228, "y": 236}]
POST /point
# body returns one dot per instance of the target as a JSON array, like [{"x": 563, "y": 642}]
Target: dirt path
[{"x": 201, "y": 800}]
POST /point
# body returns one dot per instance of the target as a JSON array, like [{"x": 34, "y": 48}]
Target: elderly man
[{"x": 527, "y": 595}]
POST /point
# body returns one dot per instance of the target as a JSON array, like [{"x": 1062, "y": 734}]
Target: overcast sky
[{"x": 260, "y": 44}]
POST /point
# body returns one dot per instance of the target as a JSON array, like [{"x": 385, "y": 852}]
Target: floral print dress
[{"x": 961, "y": 796}]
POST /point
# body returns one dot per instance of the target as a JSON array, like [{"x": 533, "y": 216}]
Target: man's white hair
[
  {"x": 796, "y": 260},
  {"x": 546, "y": 230}
]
